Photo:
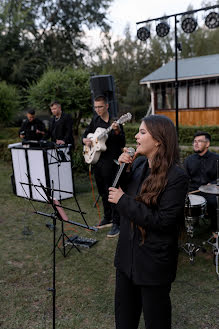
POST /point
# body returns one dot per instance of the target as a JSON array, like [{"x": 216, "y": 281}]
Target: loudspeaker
[{"x": 103, "y": 85}]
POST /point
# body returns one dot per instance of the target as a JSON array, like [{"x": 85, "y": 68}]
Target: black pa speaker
[{"x": 103, "y": 85}]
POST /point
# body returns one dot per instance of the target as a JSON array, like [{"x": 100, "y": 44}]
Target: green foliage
[
  {"x": 29, "y": 44},
  {"x": 79, "y": 164},
  {"x": 68, "y": 86},
  {"x": 186, "y": 134},
  {"x": 9, "y": 133},
  {"x": 135, "y": 94},
  {"x": 125, "y": 59},
  {"x": 130, "y": 130},
  {"x": 9, "y": 102}
]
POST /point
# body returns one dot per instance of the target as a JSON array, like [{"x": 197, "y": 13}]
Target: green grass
[{"x": 85, "y": 280}]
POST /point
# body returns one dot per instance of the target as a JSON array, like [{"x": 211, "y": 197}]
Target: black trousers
[{"x": 131, "y": 299}]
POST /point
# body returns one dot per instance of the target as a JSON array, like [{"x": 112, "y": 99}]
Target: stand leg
[
  {"x": 62, "y": 237},
  {"x": 54, "y": 274},
  {"x": 63, "y": 240},
  {"x": 216, "y": 234},
  {"x": 191, "y": 249},
  {"x": 53, "y": 289},
  {"x": 215, "y": 249},
  {"x": 216, "y": 253}
]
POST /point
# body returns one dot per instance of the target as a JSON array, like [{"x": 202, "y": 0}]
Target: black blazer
[
  {"x": 154, "y": 262},
  {"x": 62, "y": 129}
]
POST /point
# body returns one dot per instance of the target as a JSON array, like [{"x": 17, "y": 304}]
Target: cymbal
[{"x": 211, "y": 189}]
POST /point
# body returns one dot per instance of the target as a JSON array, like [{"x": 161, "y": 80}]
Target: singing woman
[{"x": 150, "y": 201}]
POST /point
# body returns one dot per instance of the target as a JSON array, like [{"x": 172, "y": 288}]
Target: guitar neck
[{"x": 104, "y": 133}]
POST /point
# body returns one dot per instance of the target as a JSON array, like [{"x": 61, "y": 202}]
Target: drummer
[{"x": 201, "y": 168}]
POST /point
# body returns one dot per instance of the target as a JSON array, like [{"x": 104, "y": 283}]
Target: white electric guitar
[{"x": 92, "y": 153}]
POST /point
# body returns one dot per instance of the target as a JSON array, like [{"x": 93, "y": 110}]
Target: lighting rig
[{"x": 188, "y": 25}]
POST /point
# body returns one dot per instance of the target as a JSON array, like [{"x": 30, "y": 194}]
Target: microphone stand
[{"x": 131, "y": 152}]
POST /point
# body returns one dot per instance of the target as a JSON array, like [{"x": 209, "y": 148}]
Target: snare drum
[
  {"x": 195, "y": 206},
  {"x": 195, "y": 209}
]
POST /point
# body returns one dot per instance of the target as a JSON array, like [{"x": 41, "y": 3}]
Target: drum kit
[{"x": 195, "y": 210}]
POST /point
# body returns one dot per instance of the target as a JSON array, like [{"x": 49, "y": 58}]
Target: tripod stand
[
  {"x": 195, "y": 208},
  {"x": 58, "y": 157},
  {"x": 214, "y": 189},
  {"x": 58, "y": 214}
]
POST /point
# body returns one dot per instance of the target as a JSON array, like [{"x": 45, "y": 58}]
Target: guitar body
[{"x": 92, "y": 153}]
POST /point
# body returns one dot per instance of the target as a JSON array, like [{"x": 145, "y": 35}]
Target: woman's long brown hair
[{"x": 163, "y": 131}]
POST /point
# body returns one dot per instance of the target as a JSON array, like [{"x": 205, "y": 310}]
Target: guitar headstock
[{"x": 124, "y": 118}]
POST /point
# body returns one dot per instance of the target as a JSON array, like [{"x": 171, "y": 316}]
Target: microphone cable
[{"x": 92, "y": 188}]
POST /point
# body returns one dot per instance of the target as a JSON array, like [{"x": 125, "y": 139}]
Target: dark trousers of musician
[
  {"x": 211, "y": 209},
  {"x": 104, "y": 173},
  {"x": 131, "y": 299}
]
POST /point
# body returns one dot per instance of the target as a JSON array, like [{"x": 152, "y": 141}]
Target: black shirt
[
  {"x": 201, "y": 169},
  {"x": 28, "y": 129},
  {"x": 114, "y": 143},
  {"x": 62, "y": 129}
]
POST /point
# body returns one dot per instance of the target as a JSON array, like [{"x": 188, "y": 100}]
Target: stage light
[
  {"x": 189, "y": 24},
  {"x": 212, "y": 20},
  {"x": 162, "y": 29},
  {"x": 143, "y": 33}
]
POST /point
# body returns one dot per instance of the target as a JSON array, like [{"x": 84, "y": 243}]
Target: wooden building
[{"x": 198, "y": 91}]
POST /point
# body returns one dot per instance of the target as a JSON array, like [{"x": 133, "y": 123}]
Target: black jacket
[
  {"x": 155, "y": 261},
  {"x": 62, "y": 129},
  {"x": 28, "y": 129},
  {"x": 201, "y": 169}
]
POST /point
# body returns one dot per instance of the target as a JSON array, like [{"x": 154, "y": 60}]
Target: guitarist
[{"x": 105, "y": 169}]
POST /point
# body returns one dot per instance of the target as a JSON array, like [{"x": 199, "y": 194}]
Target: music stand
[
  {"x": 60, "y": 215},
  {"x": 29, "y": 186},
  {"x": 213, "y": 189}
]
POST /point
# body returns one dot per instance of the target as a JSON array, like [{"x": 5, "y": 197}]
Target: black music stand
[
  {"x": 30, "y": 186},
  {"x": 60, "y": 215}
]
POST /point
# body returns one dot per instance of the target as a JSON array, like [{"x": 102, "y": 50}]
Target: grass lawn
[{"x": 85, "y": 280}]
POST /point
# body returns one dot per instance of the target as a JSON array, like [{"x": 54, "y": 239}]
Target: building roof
[{"x": 188, "y": 68}]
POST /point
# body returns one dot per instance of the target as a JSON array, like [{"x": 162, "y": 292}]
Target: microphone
[{"x": 131, "y": 152}]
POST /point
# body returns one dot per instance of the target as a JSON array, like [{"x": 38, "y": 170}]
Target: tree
[
  {"x": 9, "y": 102},
  {"x": 68, "y": 86},
  {"x": 38, "y": 33},
  {"x": 129, "y": 60}
]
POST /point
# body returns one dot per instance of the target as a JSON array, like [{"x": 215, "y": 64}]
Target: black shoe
[
  {"x": 114, "y": 231},
  {"x": 104, "y": 223}
]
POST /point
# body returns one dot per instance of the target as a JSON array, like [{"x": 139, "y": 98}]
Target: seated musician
[
  {"x": 32, "y": 128},
  {"x": 105, "y": 169},
  {"x": 201, "y": 168}
]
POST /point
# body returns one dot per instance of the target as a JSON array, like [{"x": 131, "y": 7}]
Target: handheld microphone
[{"x": 131, "y": 152}]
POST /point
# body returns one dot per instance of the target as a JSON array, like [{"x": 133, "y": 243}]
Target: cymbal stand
[
  {"x": 215, "y": 245},
  {"x": 215, "y": 235},
  {"x": 190, "y": 248}
]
